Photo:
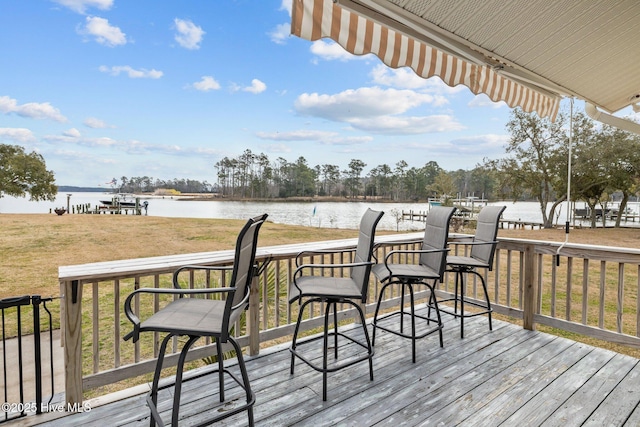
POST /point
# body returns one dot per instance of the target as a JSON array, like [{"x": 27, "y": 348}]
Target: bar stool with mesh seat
[
  {"x": 307, "y": 288},
  {"x": 202, "y": 314},
  {"x": 483, "y": 247},
  {"x": 427, "y": 272}
]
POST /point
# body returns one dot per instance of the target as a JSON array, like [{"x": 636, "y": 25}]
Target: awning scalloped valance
[{"x": 316, "y": 19}]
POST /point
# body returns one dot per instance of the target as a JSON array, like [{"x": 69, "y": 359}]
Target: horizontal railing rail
[{"x": 599, "y": 300}]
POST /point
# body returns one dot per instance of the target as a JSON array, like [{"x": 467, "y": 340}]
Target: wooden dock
[
  {"x": 461, "y": 220},
  {"x": 508, "y": 376}
]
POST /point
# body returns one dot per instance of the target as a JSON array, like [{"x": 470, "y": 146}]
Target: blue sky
[{"x": 165, "y": 89}]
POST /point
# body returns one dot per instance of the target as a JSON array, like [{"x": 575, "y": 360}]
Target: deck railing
[{"x": 599, "y": 300}]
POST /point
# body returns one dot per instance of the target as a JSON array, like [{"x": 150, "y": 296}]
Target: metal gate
[{"x": 22, "y": 356}]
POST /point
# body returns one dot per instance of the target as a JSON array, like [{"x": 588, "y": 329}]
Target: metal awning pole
[{"x": 567, "y": 223}]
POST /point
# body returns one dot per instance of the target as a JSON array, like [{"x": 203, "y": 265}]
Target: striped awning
[{"x": 359, "y": 35}]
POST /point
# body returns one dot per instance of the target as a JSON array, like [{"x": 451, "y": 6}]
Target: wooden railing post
[
  {"x": 73, "y": 342},
  {"x": 530, "y": 290},
  {"x": 253, "y": 317}
]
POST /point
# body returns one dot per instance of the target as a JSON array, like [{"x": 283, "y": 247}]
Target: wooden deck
[{"x": 510, "y": 377}]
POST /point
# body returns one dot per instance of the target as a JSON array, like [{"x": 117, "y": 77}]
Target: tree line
[
  {"x": 251, "y": 175},
  {"x": 146, "y": 184}
]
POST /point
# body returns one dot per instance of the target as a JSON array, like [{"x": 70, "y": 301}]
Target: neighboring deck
[{"x": 509, "y": 376}]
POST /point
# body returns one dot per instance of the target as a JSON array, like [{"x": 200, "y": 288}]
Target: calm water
[{"x": 323, "y": 214}]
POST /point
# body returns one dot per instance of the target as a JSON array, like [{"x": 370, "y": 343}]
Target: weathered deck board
[{"x": 508, "y": 375}]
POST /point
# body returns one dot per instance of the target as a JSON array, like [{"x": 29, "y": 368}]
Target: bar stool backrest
[
  {"x": 486, "y": 231},
  {"x": 436, "y": 233},
  {"x": 243, "y": 270},
  {"x": 364, "y": 250}
]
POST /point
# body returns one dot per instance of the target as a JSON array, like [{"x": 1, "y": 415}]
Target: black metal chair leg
[
  {"x": 295, "y": 334},
  {"x": 463, "y": 291},
  {"x": 434, "y": 301},
  {"x": 220, "y": 369},
  {"x": 375, "y": 314},
  {"x": 245, "y": 380},
  {"x": 402, "y": 308},
  {"x": 335, "y": 329},
  {"x": 413, "y": 322},
  {"x": 153, "y": 395},
  {"x": 325, "y": 352},
  {"x": 178, "y": 385},
  {"x": 366, "y": 337},
  {"x": 456, "y": 292},
  {"x": 486, "y": 296}
]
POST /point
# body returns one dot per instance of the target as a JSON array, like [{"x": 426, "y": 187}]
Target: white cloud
[
  {"x": 349, "y": 140},
  {"x": 131, "y": 146},
  {"x": 95, "y": 123},
  {"x": 87, "y": 142},
  {"x": 278, "y": 148},
  {"x": 256, "y": 87},
  {"x": 32, "y": 110},
  {"x": 459, "y": 150},
  {"x": 280, "y": 33},
  {"x": 377, "y": 110},
  {"x": 81, "y": 6},
  {"x": 327, "y": 138},
  {"x": 206, "y": 84},
  {"x": 296, "y": 135},
  {"x": 406, "y": 78},
  {"x": 360, "y": 103},
  {"x": 395, "y": 125},
  {"x": 286, "y": 5},
  {"x": 21, "y": 135},
  {"x": 142, "y": 73},
  {"x": 401, "y": 77},
  {"x": 103, "y": 32},
  {"x": 189, "y": 35},
  {"x": 483, "y": 101},
  {"x": 330, "y": 51},
  {"x": 72, "y": 133},
  {"x": 481, "y": 143}
]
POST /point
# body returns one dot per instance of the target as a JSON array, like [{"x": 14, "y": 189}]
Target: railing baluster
[
  {"x": 539, "y": 262},
  {"x": 620, "y": 306},
  {"x": 156, "y": 307},
  {"x": 585, "y": 290},
  {"x": 276, "y": 272},
  {"x": 136, "y": 307},
  {"x": 207, "y": 284},
  {"x": 252, "y": 317},
  {"x": 508, "y": 294},
  {"x": 497, "y": 270},
  {"x": 638, "y": 302},
  {"x": 569, "y": 283},
  {"x": 529, "y": 273},
  {"x": 116, "y": 321},
  {"x": 265, "y": 299},
  {"x": 521, "y": 280},
  {"x": 290, "y": 271},
  {"x": 554, "y": 275},
  {"x": 601, "y": 303},
  {"x": 96, "y": 327}
]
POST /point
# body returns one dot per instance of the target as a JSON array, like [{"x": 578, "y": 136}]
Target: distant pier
[{"x": 117, "y": 205}]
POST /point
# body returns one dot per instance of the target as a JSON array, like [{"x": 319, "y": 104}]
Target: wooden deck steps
[{"x": 509, "y": 376}]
